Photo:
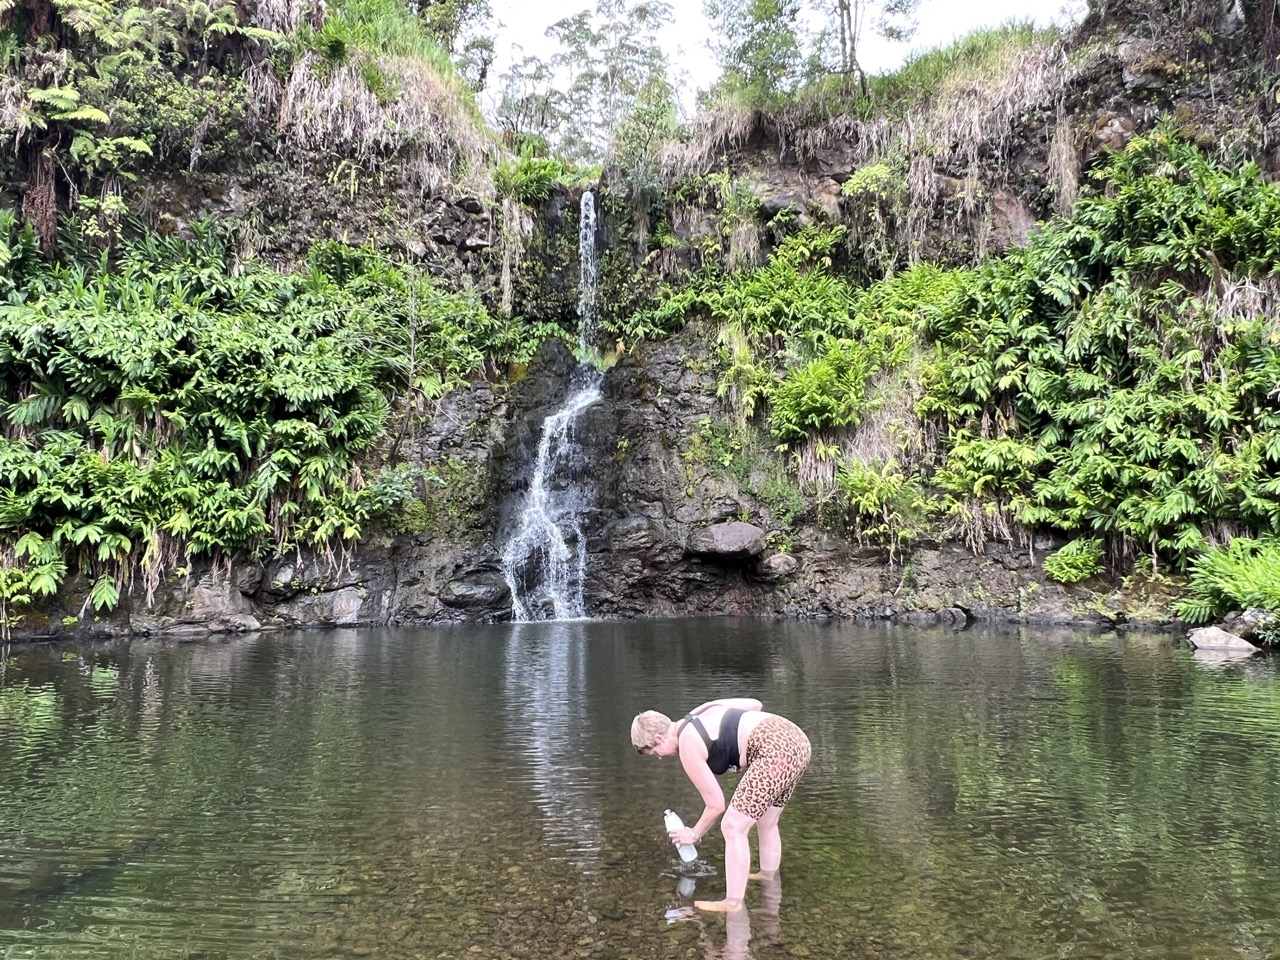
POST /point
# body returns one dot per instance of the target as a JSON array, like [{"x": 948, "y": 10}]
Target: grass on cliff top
[
  {"x": 991, "y": 63},
  {"x": 984, "y": 56},
  {"x": 387, "y": 28},
  {"x": 374, "y": 79}
]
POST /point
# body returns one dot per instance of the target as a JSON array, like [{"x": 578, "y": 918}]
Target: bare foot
[
  {"x": 719, "y": 906},
  {"x": 762, "y": 875}
]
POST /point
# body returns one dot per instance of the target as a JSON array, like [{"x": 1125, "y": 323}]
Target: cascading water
[
  {"x": 545, "y": 561},
  {"x": 589, "y": 272}
]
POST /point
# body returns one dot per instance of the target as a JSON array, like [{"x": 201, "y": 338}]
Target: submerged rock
[{"x": 946, "y": 617}]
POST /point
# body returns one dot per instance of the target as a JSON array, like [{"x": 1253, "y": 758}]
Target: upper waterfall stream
[{"x": 545, "y": 561}]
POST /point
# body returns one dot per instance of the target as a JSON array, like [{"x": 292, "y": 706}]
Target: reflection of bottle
[
  {"x": 686, "y": 886},
  {"x": 688, "y": 852}
]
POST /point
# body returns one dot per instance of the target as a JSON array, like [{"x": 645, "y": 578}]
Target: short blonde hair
[{"x": 647, "y": 729}]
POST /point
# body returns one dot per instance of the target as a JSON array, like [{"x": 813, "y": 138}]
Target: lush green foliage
[
  {"x": 97, "y": 88},
  {"x": 1117, "y": 376},
  {"x": 375, "y": 27},
  {"x": 878, "y": 180},
  {"x": 976, "y": 57},
  {"x": 881, "y": 504},
  {"x": 1242, "y": 575},
  {"x": 529, "y": 179},
  {"x": 100, "y": 91},
  {"x": 801, "y": 339},
  {"x": 185, "y": 403},
  {"x": 793, "y": 297},
  {"x": 1114, "y": 379},
  {"x": 183, "y": 124},
  {"x": 1078, "y": 560}
]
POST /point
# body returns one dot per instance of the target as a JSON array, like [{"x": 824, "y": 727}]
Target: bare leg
[
  {"x": 737, "y": 861},
  {"x": 770, "y": 843},
  {"x": 771, "y": 896}
]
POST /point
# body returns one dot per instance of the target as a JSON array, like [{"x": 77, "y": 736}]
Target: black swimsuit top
[{"x": 722, "y": 752}]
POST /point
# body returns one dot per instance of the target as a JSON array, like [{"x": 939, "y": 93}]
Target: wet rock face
[
  {"x": 1258, "y": 627},
  {"x": 671, "y": 534},
  {"x": 667, "y": 532},
  {"x": 481, "y": 594},
  {"x": 777, "y": 567}
]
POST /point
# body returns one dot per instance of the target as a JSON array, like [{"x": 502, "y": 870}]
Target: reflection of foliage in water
[
  {"x": 1121, "y": 807},
  {"x": 991, "y": 797}
]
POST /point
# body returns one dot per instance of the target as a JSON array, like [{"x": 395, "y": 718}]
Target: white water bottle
[{"x": 688, "y": 852}]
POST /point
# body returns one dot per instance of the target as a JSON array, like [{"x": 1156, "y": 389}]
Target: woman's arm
[{"x": 708, "y": 788}]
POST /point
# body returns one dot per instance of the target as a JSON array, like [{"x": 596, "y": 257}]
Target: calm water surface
[{"x": 471, "y": 792}]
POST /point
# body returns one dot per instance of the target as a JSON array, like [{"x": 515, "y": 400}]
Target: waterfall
[
  {"x": 589, "y": 272},
  {"x": 545, "y": 561}
]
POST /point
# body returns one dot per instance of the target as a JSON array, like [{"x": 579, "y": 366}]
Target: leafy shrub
[
  {"x": 875, "y": 180},
  {"x": 1078, "y": 560},
  {"x": 883, "y": 505},
  {"x": 185, "y": 123},
  {"x": 824, "y": 393},
  {"x": 794, "y": 295},
  {"x": 794, "y": 300},
  {"x": 1242, "y": 575},
  {"x": 529, "y": 179},
  {"x": 781, "y": 494}
]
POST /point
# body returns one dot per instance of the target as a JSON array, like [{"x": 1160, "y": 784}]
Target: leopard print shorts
[{"x": 777, "y": 754}]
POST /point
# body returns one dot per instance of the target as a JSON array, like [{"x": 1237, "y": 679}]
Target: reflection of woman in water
[
  {"x": 727, "y": 735},
  {"x": 738, "y": 932}
]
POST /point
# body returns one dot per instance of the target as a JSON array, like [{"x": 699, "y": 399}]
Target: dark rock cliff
[{"x": 668, "y": 533}]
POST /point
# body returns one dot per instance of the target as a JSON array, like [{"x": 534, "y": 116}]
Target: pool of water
[{"x": 471, "y": 792}]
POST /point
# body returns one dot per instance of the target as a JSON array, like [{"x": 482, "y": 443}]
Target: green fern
[
  {"x": 1078, "y": 560},
  {"x": 1245, "y": 574}
]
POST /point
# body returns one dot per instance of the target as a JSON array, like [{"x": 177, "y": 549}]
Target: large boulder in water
[
  {"x": 727, "y": 541},
  {"x": 1215, "y": 638}
]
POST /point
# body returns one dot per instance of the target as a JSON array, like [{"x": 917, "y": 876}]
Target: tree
[
  {"x": 650, "y": 121},
  {"x": 530, "y": 108},
  {"x": 459, "y": 26},
  {"x": 893, "y": 19},
  {"x": 630, "y": 58},
  {"x": 763, "y": 44},
  {"x": 609, "y": 61},
  {"x": 451, "y": 20},
  {"x": 759, "y": 47}
]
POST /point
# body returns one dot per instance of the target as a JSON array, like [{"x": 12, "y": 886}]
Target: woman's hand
[{"x": 680, "y": 837}]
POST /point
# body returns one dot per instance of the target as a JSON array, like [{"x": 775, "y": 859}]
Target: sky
[{"x": 524, "y": 24}]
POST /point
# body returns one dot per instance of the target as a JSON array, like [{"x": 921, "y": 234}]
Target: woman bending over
[{"x": 725, "y": 735}]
